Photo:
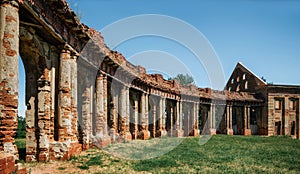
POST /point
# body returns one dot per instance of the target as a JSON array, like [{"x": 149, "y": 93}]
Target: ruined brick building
[
  {"x": 79, "y": 93},
  {"x": 280, "y": 114}
]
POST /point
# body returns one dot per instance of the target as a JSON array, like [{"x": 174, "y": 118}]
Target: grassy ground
[
  {"x": 21, "y": 143},
  {"x": 222, "y": 154}
]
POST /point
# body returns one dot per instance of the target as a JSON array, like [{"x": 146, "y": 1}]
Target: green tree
[
  {"x": 183, "y": 79},
  {"x": 21, "y": 130}
]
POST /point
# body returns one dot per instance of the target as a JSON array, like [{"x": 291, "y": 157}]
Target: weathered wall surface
[{"x": 9, "y": 48}]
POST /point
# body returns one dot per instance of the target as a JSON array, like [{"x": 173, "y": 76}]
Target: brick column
[
  {"x": 286, "y": 122},
  {"x": 113, "y": 117},
  {"x": 153, "y": 117},
  {"x": 9, "y": 48},
  {"x": 178, "y": 127},
  {"x": 31, "y": 119},
  {"x": 124, "y": 112},
  {"x": 144, "y": 133},
  {"x": 297, "y": 119},
  {"x": 105, "y": 105},
  {"x": 74, "y": 93},
  {"x": 67, "y": 97},
  {"x": 161, "y": 114},
  {"x": 86, "y": 112},
  {"x": 247, "y": 130},
  {"x": 44, "y": 113},
  {"x": 101, "y": 116},
  {"x": 135, "y": 119},
  {"x": 147, "y": 115},
  {"x": 164, "y": 131},
  {"x": 186, "y": 123},
  {"x": 171, "y": 115},
  {"x": 212, "y": 115},
  {"x": 194, "y": 120},
  {"x": 229, "y": 120}
]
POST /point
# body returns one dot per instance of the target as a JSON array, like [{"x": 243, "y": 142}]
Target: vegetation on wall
[
  {"x": 21, "y": 130},
  {"x": 183, "y": 79}
]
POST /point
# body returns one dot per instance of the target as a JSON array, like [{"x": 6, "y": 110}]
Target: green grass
[
  {"x": 221, "y": 154},
  {"x": 21, "y": 144},
  {"x": 229, "y": 154}
]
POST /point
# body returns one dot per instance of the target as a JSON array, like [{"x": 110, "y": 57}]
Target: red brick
[
  {"x": 22, "y": 171},
  {"x": 2, "y": 161},
  {"x": 2, "y": 166},
  {"x": 10, "y": 158}
]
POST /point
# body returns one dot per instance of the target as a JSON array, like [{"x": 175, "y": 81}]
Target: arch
[{"x": 41, "y": 64}]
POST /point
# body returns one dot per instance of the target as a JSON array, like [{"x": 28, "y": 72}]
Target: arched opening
[
  {"x": 38, "y": 85},
  {"x": 21, "y": 130}
]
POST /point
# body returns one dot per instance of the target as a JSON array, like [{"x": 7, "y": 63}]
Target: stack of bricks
[{"x": 7, "y": 165}]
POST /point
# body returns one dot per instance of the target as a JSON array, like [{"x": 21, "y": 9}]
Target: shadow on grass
[
  {"x": 93, "y": 161},
  {"x": 157, "y": 164}
]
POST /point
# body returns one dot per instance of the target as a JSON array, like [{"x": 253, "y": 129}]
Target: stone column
[
  {"x": 103, "y": 140},
  {"x": 178, "y": 127},
  {"x": 212, "y": 116},
  {"x": 247, "y": 130},
  {"x": 144, "y": 133},
  {"x": 9, "y": 48},
  {"x": 229, "y": 120}
]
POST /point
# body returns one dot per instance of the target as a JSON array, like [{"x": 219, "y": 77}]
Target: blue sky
[{"x": 262, "y": 34}]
